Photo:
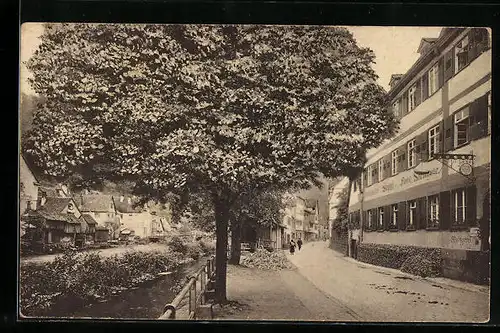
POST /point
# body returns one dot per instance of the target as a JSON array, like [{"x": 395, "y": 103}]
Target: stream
[{"x": 145, "y": 301}]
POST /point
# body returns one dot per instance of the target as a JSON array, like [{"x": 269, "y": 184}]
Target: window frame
[
  {"x": 434, "y": 70},
  {"x": 394, "y": 216},
  {"x": 394, "y": 162},
  {"x": 412, "y": 214},
  {"x": 380, "y": 165},
  {"x": 369, "y": 174},
  {"x": 433, "y": 223},
  {"x": 463, "y": 207},
  {"x": 412, "y": 153},
  {"x": 463, "y": 119},
  {"x": 465, "y": 51},
  {"x": 412, "y": 101},
  {"x": 396, "y": 108},
  {"x": 436, "y": 143},
  {"x": 369, "y": 217},
  {"x": 380, "y": 219}
]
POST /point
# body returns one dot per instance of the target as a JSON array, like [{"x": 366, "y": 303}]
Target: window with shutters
[
  {"x": 462, "y": 54},
  {"x": 370, "y": 175},
  {"x": 380, "y": 170},
  {"x": 459, "y": 206},
  {"x": 370, "y": 219},
  {"x": 461, "y": 121},
  {"x": 381, "y": 218},
  {"x": 433, "y": 221},
  {"x": 412, "y": 213},
  {"x": 434, "y": 141},
  {"x": 394, "y": 216},
  {"x": 433, "y": 79},
  {"x": 396, "y": 108},
  {"x": 412, "y": 154},
  {"x": 394, "y": 162},
  {"x": 412, "y": 97}
]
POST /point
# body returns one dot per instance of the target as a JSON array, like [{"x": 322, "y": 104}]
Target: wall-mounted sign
[{"x": 465, "y": 169}]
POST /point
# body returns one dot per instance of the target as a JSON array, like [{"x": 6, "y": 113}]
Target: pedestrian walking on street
[
  {"x": 292, "y": 247},
  {"x": 299, "y": 243}
]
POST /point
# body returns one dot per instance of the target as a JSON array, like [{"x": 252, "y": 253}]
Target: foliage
[
  {"x": 198, "y": 106},
  {"x": 394, "y": 256},
  {"x": 421, "y": 266},
  {"x": 341, "y": 220},
  {"x": 263, "y": 259},
  {"x": 176, "y": 244},
  {"x": 87, "y": 276}
]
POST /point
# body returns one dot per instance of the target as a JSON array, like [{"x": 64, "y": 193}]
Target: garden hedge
[{"x": 394, "y": 256}]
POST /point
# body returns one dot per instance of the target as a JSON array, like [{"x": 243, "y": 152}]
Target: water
[{"x": 146, "y": 301}]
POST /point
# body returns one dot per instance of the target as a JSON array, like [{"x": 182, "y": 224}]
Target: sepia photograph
[{"x": 223, "y": 172}]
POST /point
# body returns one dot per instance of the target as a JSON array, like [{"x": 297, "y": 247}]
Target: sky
[{"x": 395, "y": 48}]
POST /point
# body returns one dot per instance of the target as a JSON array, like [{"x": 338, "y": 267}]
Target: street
[
  {"x": 377, "y": 294},
  {"x": 325, "y": 286}
]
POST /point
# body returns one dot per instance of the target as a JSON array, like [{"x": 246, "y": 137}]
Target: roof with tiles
[
  {"x": 89, "y": 219},
  {"x": 95, "y": 203}
]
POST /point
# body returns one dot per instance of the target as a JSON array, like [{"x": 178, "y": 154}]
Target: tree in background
[{"x": 204, "y": 109}]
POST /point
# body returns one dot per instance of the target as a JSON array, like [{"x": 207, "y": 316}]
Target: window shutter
[
  {"x": 441, "y": 136},
  {"x": 449, "y": 65},
  {"x": 365, "y": 221},
  {"x": 472, "y": 52},
  {"x": 387, "y": 217},
  {"x": 444, "y": 210},
  {"x": 470, "y": 209},
  {"x": 424, "y": 146},
  {"x": 448, "y": 133},
  {"x": 425, "y": 86},
  {"x": 387, "y": 166},
  {"x": 375, "y": 172},
  {"x": 402, "y": 215},
  {"x": 478, "y": 118},
  {"x": 418, "y": 92},
  {"x": 404, "y": 103},
  {"x": 481, "y": 39},
  {"x": 403, "y": 164},
  {"x": 421, "y": 220},
  {"x": 441, "y": 72},
  {"x": 365, "y": 178}
]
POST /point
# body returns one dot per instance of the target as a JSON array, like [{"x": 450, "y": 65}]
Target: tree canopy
[{"x": 176, "y": 106}]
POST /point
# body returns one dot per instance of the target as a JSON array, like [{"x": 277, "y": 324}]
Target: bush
[
  {"x": 393, "y": 256},
  {"x": 87, "y": 276},
  {"x": 421, "y": 266},
  {"x": 207, "y": 247},
  {"x": 176, "y": 244}
]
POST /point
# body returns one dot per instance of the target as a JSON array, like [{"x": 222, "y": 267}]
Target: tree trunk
[
  {"x": 235, "y": 244},
  {"x": 221, "y": 208}
]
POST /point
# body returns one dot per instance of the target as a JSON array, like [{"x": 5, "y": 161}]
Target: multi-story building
[{"x": 429, "y": 185}]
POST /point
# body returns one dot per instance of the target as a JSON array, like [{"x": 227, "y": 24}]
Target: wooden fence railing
[{"x": 193, "y": 294}]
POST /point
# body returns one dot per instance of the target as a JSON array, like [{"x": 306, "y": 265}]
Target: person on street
[
  {"x": 292, "y": 247},
  {"x": 299, "y": 243}
]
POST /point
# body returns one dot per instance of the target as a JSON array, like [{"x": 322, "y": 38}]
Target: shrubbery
[
  {"x": 87, "y": 276},
  {"x": 394, "y": 256},
  {"x": 421, "y": 266}
]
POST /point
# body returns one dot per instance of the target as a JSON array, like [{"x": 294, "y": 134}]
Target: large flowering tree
[{"x": 213, "y": 109}]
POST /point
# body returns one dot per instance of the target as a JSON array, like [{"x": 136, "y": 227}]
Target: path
[
  {"x": 278, "y": 295},
  {"x": 374, "y": 293},
  {"x": 103, "y": 252}
]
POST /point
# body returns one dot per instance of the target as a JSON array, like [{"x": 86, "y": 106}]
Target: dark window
[{"x": 433, "y": 220}]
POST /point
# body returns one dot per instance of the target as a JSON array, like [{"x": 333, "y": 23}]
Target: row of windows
[
  {"x": 464, "y": 52},
  {"x": 446, "y": 210},
  {"x": 467, "y": 124}
]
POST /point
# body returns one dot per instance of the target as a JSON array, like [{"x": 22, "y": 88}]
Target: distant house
[
  {"x": 311, "y": 219},
  {"x": 102, "y": 209},
  {"x": 136, "y": 219},
  {"x": 28, "y": 184},
  {"x": 90, "y": 226},
  {"x": 59, "y": 218}
]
